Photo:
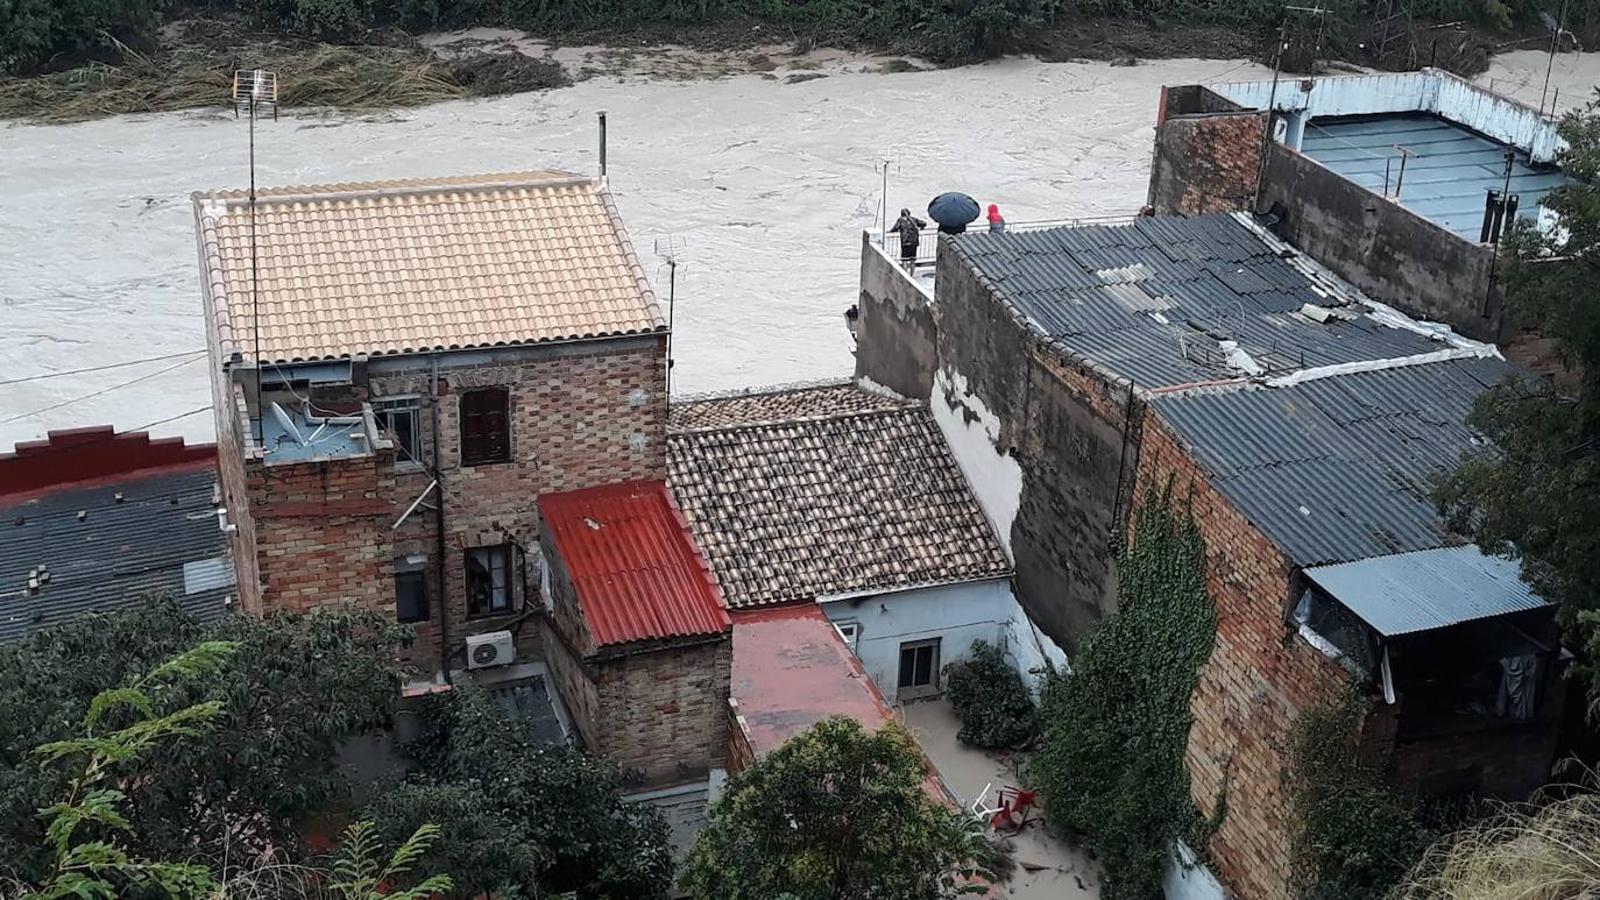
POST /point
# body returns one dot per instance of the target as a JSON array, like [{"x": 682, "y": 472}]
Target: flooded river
[{"x": 761, "y": 187}]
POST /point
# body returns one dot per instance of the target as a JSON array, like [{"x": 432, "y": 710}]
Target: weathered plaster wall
[
  {"x": 897, "y": 322},
  {"x": 1391, "y": 253}
]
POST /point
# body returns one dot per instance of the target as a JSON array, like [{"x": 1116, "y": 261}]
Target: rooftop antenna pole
[
  {"x": 602, "y": 115},
  {"x": 883, "y": 207},
  {"x": 253, "y": 90},
  {"x": 1555, "y": 41},
  {"x": 1272, "y": 101},
  {"x": 671, "y": 256}
]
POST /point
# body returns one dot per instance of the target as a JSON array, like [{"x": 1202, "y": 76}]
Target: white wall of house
[{"x": 955, "y": 614}]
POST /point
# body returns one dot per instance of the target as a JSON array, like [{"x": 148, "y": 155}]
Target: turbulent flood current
[{"x": 760, "y": 188}]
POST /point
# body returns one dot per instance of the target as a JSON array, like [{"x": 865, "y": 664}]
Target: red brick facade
[
  {"x": 1207, "y": 154},
  {"x": 1261, "y": 675},
  {"x": 323, "y": 533}
]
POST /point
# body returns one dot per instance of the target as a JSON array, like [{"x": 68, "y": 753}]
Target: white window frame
[{"x": 411, "y": 403}]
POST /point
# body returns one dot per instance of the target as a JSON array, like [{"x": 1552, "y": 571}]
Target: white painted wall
[
  {"x": 972, "y": 432},
  {"x": 1188, "y": 879},
  {"x": 1428, "y": 91},
  {"x": 957, "y": 614}
]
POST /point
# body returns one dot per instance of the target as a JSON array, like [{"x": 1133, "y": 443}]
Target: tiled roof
[
  {"x": 1339, "y": 468},
  {"x": 790, "y": 510},
  {"x": 1155, "y": 300},
  {"x": 413, "y": 266},
  {"x": 109, "y": 544},
  {"x": 780, "y": 403},
  {"x": 637, "y": 573}
]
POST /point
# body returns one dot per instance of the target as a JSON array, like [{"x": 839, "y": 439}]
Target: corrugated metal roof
[
  {"x": 1339, "y": 468},
  {"x": 1198, "y": 282},
  {"x": 637, "y": 572},
  {"x": 104, "y": 554},
  {"x": 1426, "y": 589},
  {"x": 789, "y": 510},
  {"x": 1449, "y": 172}
]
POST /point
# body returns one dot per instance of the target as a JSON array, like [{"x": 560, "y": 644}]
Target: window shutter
[{"x": 485, "y": 435}]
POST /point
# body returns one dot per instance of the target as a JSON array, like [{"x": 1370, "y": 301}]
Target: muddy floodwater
[{"x": 760, "y": 186}]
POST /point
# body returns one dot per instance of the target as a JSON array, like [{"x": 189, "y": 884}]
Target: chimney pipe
[
  {"x": 1491, "y": 201},
  {"x": 602, "y": 144},
  {"x": 1511, "y": 210}
]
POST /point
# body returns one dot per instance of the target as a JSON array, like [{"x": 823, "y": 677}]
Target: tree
[
  {"x": 1111, "y": 764},
  {"x": 835, "y": 813},
  {"x": 300, "y": 686},
  {"x": 84, "y": 859},
  {"x": 362, "y": 875},
  {"x": 988, "y": 696},
  {"x": 520, "y": 817},
  {"x": 1534, "y": 489}
]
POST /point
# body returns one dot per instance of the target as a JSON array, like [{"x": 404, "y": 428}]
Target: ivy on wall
[
  {"x": 1111, "y": 763},
  {"x": 1358, "y": 837}
]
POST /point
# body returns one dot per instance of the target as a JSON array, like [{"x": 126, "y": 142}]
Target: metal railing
[{"x": 928, "y": 244}]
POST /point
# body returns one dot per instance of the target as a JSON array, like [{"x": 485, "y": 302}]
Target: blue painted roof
[
  {"x": 1427, "y": 589},
  {"x": 1339, "y": 468},
  {"x": 1152, "y": 301},
  {"x": 160, "y": 538},
  {"x": 1447, "y": 176}
]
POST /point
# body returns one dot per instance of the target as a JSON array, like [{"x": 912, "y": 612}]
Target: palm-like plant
[{"x": 363, "y": 874}]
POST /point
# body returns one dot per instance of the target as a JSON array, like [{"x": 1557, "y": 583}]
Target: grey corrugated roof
[
  {"x": 116, "y": 554},
  {"x": 1426, "y": 589},
  {"x": 790, "y": 509},
  {"x": 1211, "y": 278},
  {"x": 1338, "y": 468}
]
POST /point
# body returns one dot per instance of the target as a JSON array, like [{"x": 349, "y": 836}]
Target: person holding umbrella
[
  {"x": 953, "y": 211},
  {"x": 910, "y": 229}
]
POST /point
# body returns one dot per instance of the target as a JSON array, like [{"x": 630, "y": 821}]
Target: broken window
[
  {"x": 485, "y": 426},
  {"x": 410, "y": 591},
  {"x": 489, "y": 580},
  {"x": 398, "y": 417}
]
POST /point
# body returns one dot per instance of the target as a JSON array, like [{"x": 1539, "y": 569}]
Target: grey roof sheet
[
  {"x": 792, "y": 509},
  {"x": 1210, "y": 278},
  {"x": 1338, "y": 468},
  {"x": 117, "y": 554},
  {"x": 1427, "y": 589}
]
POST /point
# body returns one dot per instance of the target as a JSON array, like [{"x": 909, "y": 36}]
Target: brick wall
[
  {"x": 1261, "y": 675},
  {"x": 664, "y": 711},
  {"x": 582, "y": 414},
  {"x": 1207, "y": 156}
]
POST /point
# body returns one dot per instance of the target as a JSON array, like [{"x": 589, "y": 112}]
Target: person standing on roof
[
  {"x": 910, "y": 229},
  {"x": 997, "y": 222}
]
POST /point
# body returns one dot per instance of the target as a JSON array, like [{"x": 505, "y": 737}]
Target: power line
[
  {"x": 114, "y": 387},
  {"x": 132, "y": 362},
  {"x": 175, "y": 418}
]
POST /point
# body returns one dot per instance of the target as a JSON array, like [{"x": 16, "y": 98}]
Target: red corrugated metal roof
[{"x": 638, "y": 574}]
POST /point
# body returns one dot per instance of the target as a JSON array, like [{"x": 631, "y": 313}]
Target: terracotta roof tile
[
  {"x": 789, "y": 510},
  {"x": 413, "y": 266},
  {"x": 780, "y": 403}
]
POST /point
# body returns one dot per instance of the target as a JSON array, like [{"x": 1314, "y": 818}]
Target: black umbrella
[{"x": 953, "y": 210}]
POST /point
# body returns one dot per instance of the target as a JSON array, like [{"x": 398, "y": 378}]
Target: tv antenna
[
  {"x": 255, "y": 91},
  {"x": 883, "y": 197},
  {"x": 668, "y": 250}
]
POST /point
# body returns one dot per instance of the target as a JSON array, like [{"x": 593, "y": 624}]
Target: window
[
  {"x": 485, "y": 427},
  {"x": 411, "y": 589},
  {"x": 919, "y": 669},
  {"x": 848, "y": 632},
  {"x": 399, "y": 418},
  {"x": 488, "y": 580}
]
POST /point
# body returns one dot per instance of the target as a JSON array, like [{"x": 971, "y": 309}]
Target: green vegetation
[
  {"x": 521, "y": 818},
  {"x": 835, "y": 812},
  {"x": 1358, "y": 836},
  {"x": 989, "y": 698},
  {"x": 1535, "y": 489},
  {"x": 1111, "y": 763}
]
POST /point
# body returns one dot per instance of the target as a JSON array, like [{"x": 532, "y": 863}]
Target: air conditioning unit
[{"x": 492, "y": 649}]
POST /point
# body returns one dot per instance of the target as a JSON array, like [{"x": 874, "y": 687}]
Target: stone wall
[
  {"x": 1386, "y": 250},
  {"x": 897, "y": 323},
  {"x": 1207, "y": 154},
  {"x": 1261, "y": 675}
]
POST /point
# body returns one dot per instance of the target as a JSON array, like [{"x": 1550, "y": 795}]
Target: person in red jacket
[{"x": 997, "y": 222}]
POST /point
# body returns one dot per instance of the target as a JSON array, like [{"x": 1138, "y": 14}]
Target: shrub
[
  {"x": 33, "y": 31},
  {"x": 989, "y": 697}
]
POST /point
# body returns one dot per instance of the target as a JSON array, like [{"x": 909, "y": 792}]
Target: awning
[{"x": 1426, "y": 589}]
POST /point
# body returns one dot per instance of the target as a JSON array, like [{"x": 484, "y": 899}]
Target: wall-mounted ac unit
[{"x": 492, "y": 649}]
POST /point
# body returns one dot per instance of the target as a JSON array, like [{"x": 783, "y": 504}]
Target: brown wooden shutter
[{"x": 485, "y": 431}]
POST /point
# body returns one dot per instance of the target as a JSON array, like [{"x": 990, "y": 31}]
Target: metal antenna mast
[
  {"x": 669, "y": 253},
  {"x": 254, "y": 90},
  {"x": 1555, "y": 41}
]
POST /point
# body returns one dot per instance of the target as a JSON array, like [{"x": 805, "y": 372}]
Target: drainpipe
[{"x": 439, "y": 498}]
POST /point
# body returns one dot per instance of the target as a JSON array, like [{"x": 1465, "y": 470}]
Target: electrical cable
[
  {"x": 132, "y": 362},
  {"x": 114, "y": 387},
  {"x": 175, "y": 418}
]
